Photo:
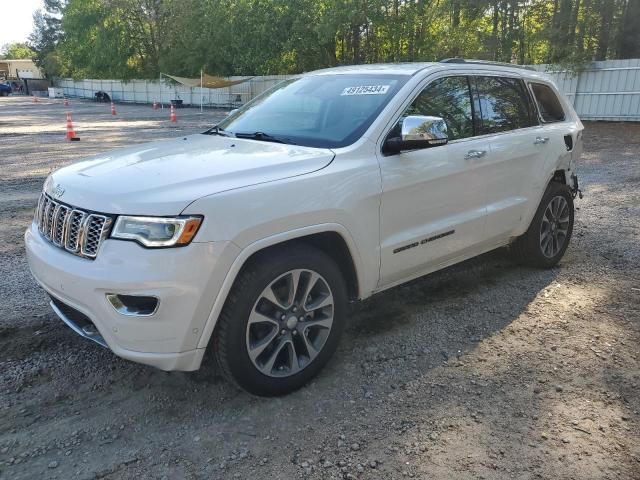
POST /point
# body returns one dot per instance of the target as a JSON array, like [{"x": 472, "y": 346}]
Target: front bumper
[
  {"x": 186, "y": 280},
  {"x": 77, "y": 321}
]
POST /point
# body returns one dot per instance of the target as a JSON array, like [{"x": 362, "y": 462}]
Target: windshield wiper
[
  {"x": 216, "y": 130},
  {"x": 265, "y": 137}
]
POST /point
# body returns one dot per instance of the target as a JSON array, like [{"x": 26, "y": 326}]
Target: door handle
[
  {"x": 540, "y": 140},
  {"x": 475, "y": 154}
]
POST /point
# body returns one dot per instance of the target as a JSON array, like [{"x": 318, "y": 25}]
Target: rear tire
[
  {"x": 548, "y": 236},
  {"x": 282, "y": 320}
]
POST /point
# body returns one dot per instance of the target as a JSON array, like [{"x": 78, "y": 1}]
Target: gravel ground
[{"x": 484, "y": 370}]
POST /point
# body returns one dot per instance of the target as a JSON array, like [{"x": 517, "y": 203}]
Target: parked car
[
  {"x": 5, "y": 89},
  {"x": 251, "y": 238}
]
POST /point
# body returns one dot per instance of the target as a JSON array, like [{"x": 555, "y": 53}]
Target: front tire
[
  {"x": 548, "y": 236},
  {"x": 282, "y": 320}
]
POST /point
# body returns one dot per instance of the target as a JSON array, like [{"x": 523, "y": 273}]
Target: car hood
[{"x": 162, "y": 178}]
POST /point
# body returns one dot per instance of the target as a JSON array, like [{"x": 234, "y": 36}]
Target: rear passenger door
[{"x": 506, "y": 117}]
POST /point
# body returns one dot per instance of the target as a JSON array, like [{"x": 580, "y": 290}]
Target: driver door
[{"x": 433, "y": 199}]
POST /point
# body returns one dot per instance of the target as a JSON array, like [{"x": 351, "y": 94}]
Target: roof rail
[{"x": 485, "y": 62}]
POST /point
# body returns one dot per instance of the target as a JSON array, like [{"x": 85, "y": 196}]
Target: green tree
[
  {"x": 16, "y": 50},
  {"x": 140, "y": 38},
  {"x": 46, "y": 36},
  {"x": 628, "y": 39}
]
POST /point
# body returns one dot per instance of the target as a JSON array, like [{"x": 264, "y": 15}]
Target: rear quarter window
[{"x": 549, "y": 106}]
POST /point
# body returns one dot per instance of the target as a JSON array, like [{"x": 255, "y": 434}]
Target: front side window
[
  {"x": 548, "y": 103},
  {"x": 501, "y": 104},
  {"x": 326, "y": 111},
  {"x": 448, "y": 98}
]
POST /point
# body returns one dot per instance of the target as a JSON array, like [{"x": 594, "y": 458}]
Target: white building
[{"x": 18, "y": 69}]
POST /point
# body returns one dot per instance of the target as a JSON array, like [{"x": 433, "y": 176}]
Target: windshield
[{"x": 326, "y": 111}]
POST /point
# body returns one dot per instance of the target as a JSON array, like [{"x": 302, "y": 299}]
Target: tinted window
[
  {"x": 502, "y": 104},
  {"x": 450, "y": 99},
  {"x": 548, "y": 104}
]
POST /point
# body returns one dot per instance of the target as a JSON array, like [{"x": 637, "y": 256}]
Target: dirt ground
[{"x": 486, "y": 370}]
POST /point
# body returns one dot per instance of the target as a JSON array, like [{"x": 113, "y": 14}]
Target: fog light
[{"x": 133, "y": 305}]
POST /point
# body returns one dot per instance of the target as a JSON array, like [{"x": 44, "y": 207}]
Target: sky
[{"x": 17, "y": 21}]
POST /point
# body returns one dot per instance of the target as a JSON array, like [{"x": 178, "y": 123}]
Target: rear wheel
[
  {"x": 548, "y": 236},
  {"x": 282, "y": 320}
]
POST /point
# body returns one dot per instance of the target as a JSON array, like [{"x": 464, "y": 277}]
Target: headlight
[{"x": 157, "y": 231}]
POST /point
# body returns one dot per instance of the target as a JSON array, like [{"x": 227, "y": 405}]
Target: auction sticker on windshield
[{"x": 366, "y": 90}]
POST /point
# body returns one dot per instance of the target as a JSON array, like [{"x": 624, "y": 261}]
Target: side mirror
[{"x": 418, "y": 131}]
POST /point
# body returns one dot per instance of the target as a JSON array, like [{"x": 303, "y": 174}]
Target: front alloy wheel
[
  {"x": 282, "y": 320},
  {"x": 290, "y": 323}
]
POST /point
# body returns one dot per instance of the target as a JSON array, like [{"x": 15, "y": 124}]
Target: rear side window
[
  {"x": 448, "y": 98},
  {"x": 548, "y": 103},
  {"x": 502, "y": 104}
]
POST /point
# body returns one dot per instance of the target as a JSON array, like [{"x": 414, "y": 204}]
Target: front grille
[{"x": 77, "y": 231}]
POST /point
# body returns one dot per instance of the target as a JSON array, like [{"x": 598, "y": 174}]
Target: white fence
[
  {"x": 149, "y": 91},
  {"x": 608, "y": 90}
]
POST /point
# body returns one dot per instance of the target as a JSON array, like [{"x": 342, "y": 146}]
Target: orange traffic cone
[
  {"x": 113, "y": 109},
  {"x": 71, "y": 134},
  {"x": 66, "y": 102},
  {"x": 172, "y": 114},
  {"x": 155, "y": 105}
]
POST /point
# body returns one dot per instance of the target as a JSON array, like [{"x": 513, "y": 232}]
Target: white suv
[{"x": 252, "y": 237}]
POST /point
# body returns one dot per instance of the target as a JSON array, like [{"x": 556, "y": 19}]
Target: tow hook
[{"x": 575, "y": 189}]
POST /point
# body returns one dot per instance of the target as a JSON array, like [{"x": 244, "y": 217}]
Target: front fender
[{"x": 270, "y": 241}]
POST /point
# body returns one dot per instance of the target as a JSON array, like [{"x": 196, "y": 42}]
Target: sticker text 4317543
[{"x": 366, "y": 90}]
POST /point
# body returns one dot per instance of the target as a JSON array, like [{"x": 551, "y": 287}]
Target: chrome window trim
[{"x": 459, "y": 72}]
